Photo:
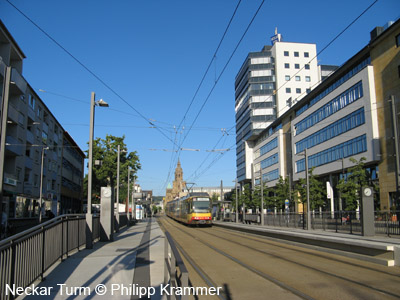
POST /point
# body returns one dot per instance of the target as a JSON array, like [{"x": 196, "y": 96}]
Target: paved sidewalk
[{"x": 133, "y": 264}]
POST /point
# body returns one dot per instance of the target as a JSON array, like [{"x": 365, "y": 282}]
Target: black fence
[{"x": 386, "y": 223}]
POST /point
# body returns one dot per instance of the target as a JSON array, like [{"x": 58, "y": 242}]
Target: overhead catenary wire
[
  {"x": 220, "y": 75},
  {"x": 87, "y": 69},
  {"x": 175, "y": 157}
]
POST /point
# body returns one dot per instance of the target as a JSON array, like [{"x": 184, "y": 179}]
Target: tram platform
[
  {"x": 382, "y": 250},
  {"x": 127, "y": 268}
]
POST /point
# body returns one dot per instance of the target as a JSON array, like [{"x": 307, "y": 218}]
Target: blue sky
[{"x": 153, "y": 54}]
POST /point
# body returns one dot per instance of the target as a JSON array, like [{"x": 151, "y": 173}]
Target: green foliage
[
  {"x": 245, "y": 197},
  {"x": 350, "y": 188},
  {"x": 214, "y": 197},
  {"x": 282, "y": 192},
  {"x": 317, "y": 191},
  {"x": 106, "y": 151}
]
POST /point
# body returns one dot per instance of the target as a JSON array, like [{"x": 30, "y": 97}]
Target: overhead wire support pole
[
  {"x": 396, "y": 150},
  {"x": 4, "y": 115}
]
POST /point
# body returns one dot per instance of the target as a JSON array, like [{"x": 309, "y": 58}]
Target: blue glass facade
[
  {"x": 346, "y": 149},
  {"x": 343, "y": 125},
  {"x": 335, "y": 85},
  {"x": 269, "y": 146},
  {"x": 349, "y": 96},
  {"x": 273, "y": 175},
  {"x": 273, "y": 159}
]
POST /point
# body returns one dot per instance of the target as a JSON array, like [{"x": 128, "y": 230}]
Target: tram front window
[{"x": 201, "y": 206}]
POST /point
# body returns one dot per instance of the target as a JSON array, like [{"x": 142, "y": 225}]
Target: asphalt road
[{"x": 247, "y": 266}]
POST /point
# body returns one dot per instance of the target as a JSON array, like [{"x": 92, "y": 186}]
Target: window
[
  {"x": 349, "y": 96},
  {"x": 308, "y": 91},
  {"x": 296, "y": 66},
  {"x": 269, "y": 146},
  {"x": 286, "y": 53},
  {"x": 21, "y": 119},
  {"x": 308, "y": 78},
  {"x": 307, "y": 66},
  {"x": 31, "y": 102},
  {"x": 287, "y": 66},
  {"x": 296, "y": 54},
  {"x": 273, "y": 159},
  {"x": 339, "y": 127},
  {"x": 39, "y": 112},
  {"x": 346, "y": 149},
  {"x": 35, "y": 180},
  {"x": 287, "y": 77},
  {"x": 288, "y": 90},
  {"x": 298, "y": 91},
  {"x": 398, "y": 40},
  {"x": 44, "y": 138},
  {"x": 297, "y": 78},
  {"x": 306, "y": 54}
]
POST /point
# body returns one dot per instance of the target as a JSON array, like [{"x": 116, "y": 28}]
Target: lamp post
[
  {"x": 262, "y": 197},
  {"x": 41, "y": 185},
  {"x": 117, "y": 194},
  {"x": 308, "y": 189},
  {"x": 237, "y": 210},
  {"x": 89, "y": 217}
]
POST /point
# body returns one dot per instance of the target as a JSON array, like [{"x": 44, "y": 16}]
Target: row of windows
[
  {"x": 298, "y": 78},
  {"x": 273, "y": 159},
  {"x": 269, "y": 146},
  {"x": 297, "y": 66},
  {"x": 346, "y": 149},
  {"x": 343, "y": 125},
  {"x": 298, "y": 90},
  {"x": 296, "y": 54},
  {"x": 349, "y": 96},
  {"x": 273, "y": 175},
  {"x": 335, "y": 85}
]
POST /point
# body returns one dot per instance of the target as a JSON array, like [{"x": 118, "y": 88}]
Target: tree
[
  {"x": 105, "y": 174},
  {"x": 245, "y": 197},
  {"x": 350, "y": 187},
  {"x": 281, "y": 192},
  {"x": 316, "y": 191}
]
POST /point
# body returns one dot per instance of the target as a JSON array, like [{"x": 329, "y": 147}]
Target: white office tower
[{"x": 268, "y": 84}]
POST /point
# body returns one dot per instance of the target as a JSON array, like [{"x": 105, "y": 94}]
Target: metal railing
[
  {"x": 175, "y": 272},
  {"x": 385, "y": 222},
  {"x": 26, "y": 256}
]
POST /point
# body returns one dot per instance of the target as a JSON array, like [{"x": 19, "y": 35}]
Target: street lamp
[
  {"x": 236, "y": 214},
  {"x": 305, "y": 154},
  {"x": 262, "y": 197},
  {"x": 41, "y": 185},
  {"x": 89, "y": 217},
  {"x": 117, "y": 196}
]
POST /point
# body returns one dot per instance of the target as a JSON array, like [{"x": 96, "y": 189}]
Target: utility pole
[
  {"x": 237, "y": 208},
  {"x": 308, "y": 193},
  {"x": 4, "y": 115},
  {"x": 262, "y": 197},
  {"x": 396, "y": 151},
  {"x": 41, "y": 185},
  {"x": 222, "y": 199}
]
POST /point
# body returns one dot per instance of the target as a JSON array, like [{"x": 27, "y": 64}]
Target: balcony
[
  {"x": 18, "y": 83},
  {"x": 30, "y": 138},
  {"x": 13, "y": 146},
  {"x": 28, "y": 162},
  {"x": 27, "y": 188},
  {"x": 10, "y": 179},
  {"x": 12, "y": 114}
]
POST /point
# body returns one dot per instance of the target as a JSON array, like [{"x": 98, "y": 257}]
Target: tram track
[
  {"x": 248, "y": 267},
  {"x": 205, "y": 236},
  {"x": 304, "y": 249},
  {"x": 313, "y": 268}
]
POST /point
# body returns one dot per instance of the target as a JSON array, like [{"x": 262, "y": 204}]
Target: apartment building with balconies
[{"x": 31, "y": 154}]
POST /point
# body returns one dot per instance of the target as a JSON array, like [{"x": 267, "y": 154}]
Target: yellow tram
[{"x": 193, "y": 209}]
